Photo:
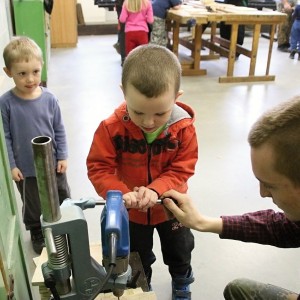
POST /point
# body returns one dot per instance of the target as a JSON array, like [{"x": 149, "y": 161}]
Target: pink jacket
[{"x": 137, "y": 21}]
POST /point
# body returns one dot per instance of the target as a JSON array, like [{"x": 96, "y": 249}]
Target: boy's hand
[
  {"x": 131, "y": 200},
  {"x": 16, "y": 174},
  {"x": 146, "y": 197},
  {"x": 62, "y": 166}
]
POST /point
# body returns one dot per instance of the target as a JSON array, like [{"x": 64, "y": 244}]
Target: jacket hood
[{"x": 181, "y": 116}]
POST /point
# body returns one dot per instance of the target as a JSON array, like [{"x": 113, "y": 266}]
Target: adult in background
[
  {"x": 225, "y": 30},
  {"x": 284, "y": 29},
  {"x": 295, "y": 33},
  {"x": 120, "y": 44},
  {"x": 160, "y": 8}
]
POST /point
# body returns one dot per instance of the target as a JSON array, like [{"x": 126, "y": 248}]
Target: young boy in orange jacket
[{"x": 145, "y": 148}]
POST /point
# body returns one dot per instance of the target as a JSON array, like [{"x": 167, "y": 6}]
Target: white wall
[
  {"x": 5, "y": 33},
  {"x": 97, "y": 15}
]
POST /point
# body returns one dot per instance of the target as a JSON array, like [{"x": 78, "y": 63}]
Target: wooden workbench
[{"x": 231, "y": 15}]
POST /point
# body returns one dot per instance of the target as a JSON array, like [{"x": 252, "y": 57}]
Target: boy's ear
[
  {"x": 7, "y": 72},
  {"x": 122, "y": 88},
  {"x": 178, "y": 95}
]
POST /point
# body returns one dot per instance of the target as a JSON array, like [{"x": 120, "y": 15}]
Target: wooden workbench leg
[
  {"x": 255, "y": 41},
  {"x": 213, "y": 30},
  {"x": 169, "y": 39},
  {"x": 175, "y": 37},
  {"x": 272, "y": 34},
  {"x": 197, "y": 47},
  {"x": 232, "y": 49}
]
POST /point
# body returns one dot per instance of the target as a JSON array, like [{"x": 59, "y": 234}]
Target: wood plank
[
  {"x": 130, "y": 294},
  {"x": 235, "y": 79},
  {"x": 254, "y": 49},
  {"x": 231, "y": 55},
  {"x": 271, "y": 37}
]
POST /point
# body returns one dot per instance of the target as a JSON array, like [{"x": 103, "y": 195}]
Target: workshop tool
[
  {"x": 115, "y": 240},
  {"x": 70, "y": 272}
]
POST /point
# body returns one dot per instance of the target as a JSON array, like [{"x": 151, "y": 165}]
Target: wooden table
[{"x": 231, "y": 15}]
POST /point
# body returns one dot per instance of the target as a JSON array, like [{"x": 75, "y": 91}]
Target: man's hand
[
  {"x": 186, "y": 213},
  {"x": 16, "y": 174},
  {"x": 184, "y": 210}
]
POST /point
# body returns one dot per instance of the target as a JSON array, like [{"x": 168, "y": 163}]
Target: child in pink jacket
[{"x": 136, "y": 14}]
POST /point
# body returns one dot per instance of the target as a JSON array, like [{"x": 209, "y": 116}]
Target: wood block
[{"x": 131, "y": 294}]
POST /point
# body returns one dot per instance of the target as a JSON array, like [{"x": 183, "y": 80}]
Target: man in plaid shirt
[{"x": 275, "y": 142}]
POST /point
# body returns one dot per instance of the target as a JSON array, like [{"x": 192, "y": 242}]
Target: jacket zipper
[{"x": 149, "y": 179}]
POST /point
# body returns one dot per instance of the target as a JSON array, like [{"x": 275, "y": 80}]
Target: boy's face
[
  {"x": 149, "y": 113},
  {"x": 27, "y": 77}
]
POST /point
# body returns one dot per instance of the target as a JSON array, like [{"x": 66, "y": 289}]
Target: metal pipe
[
  {"x": 46, "y": 178},
  {"x": 57, "y": 247}
]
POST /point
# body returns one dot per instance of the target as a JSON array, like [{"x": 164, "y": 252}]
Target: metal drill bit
[{"x": 103, "y": 202}]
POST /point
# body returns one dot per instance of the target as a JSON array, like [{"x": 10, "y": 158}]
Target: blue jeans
[{"x": 295, "y": 35}]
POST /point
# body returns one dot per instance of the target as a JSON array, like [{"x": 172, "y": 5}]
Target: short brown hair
[
  {"x": 21, "y": 49},
  {"x": 280, "y": 127},
  {"x": 152, "y": 70}
]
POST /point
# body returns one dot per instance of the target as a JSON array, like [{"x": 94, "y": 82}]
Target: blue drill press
[{"x": 70, "y": 272}]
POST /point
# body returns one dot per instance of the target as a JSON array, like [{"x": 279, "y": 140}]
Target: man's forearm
[{"x": 209, "y": 224}]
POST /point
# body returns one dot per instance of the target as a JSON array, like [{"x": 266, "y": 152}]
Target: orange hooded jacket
[{"x": 121, "y": 159}]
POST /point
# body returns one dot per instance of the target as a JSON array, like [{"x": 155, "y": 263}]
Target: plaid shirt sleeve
[{"x": 263, "y": 227}]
